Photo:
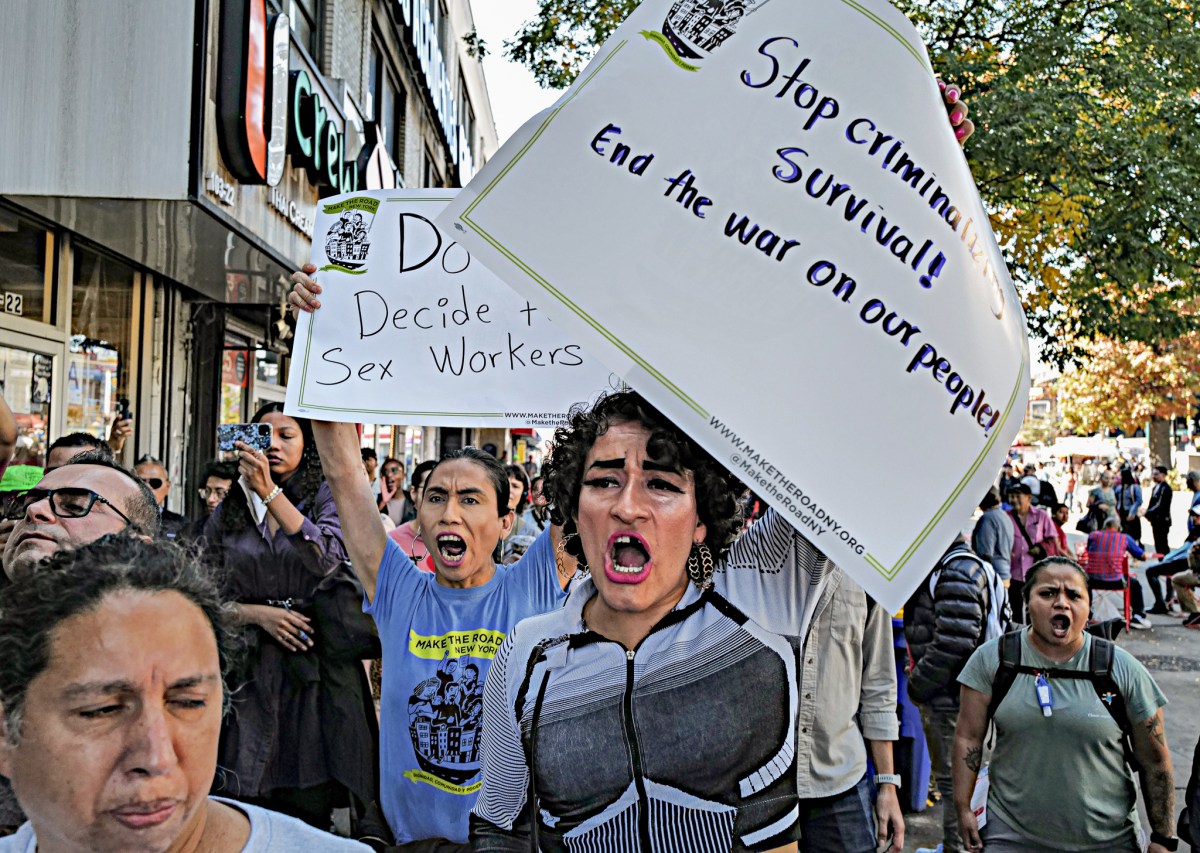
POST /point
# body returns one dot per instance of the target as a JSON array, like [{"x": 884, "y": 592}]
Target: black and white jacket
[{"x": 685, "y": 744}]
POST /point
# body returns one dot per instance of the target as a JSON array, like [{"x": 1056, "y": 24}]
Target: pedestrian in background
[
  {"x": 1106, "y": 567},
  {"x": 301, "y": 735},
  {"x": 1185, "y": 584},
  {"x": 992, "y": 538},
  {"x": 154, "y": 474},
  {"x": 1034, "y": 538},
  {"x": 1158, "y": 509},
  {"x": 945, "y": 620},
  {"x": 1129, "y": 503}
]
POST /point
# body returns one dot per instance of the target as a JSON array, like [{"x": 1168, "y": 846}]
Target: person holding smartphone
[{"x": 299, "y": 738}]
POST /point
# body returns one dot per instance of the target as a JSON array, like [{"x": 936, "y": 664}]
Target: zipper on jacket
[{"x": 635, "y": 754}]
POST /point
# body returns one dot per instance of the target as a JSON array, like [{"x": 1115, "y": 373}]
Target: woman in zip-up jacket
[{"x": 656, "y": 711}]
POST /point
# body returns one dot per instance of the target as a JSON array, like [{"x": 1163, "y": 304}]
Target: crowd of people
[
  {"x": 185, "y": 677},
  {"x": 605, "y": 656}
]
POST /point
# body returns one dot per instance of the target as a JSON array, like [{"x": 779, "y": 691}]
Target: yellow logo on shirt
[{"x": 478, "y": 644}]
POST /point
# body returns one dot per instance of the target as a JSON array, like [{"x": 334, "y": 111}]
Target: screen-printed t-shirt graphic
[
  {"x": 438, "y": 645},
  {"x": 444, "y": 710}
]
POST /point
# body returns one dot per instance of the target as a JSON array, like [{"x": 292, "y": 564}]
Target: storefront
[{"x": 164, "y": 192}]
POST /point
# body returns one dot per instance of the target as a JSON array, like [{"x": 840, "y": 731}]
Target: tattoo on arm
[
  {"x": 1155, "y": 728},
  {"x": 1158, "y": 789},
  {"x": 974, "y": 758}
]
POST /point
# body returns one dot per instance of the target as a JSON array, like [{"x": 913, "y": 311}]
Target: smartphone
[
  {"x": 257, "y": 436},
  {"x": 125, "y": 412}
]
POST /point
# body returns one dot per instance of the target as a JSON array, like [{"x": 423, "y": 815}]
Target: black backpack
[
  {"x": 1047, "y": 496},
  {"x": 1099, "y": 671}
]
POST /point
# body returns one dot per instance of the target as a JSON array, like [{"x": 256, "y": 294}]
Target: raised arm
[
  {"x": 966, "y": 761},
  {"x": 362, "y": 528}
]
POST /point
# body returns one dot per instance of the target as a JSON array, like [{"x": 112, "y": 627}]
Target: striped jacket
[{"x": 685, "y": 744}]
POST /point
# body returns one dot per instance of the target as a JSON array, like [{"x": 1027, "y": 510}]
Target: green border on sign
[{"x": 887, "y": 573}]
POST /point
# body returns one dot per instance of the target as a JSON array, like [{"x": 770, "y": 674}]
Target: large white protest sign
[
  {"x": 411, "y": 329},
  {"x": 757, "y": 214}
]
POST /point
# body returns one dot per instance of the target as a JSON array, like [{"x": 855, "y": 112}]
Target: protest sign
[
  {"x": 757, "y": 214},
  {"x": 412, "y": 330}
]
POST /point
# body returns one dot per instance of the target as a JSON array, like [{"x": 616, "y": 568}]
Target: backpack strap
[
  {"x": 1006, "y": 673},
  {"x": 1100, "y": 668}
]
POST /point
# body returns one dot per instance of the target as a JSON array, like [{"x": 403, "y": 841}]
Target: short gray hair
[{"x": 1193, "y": 478}]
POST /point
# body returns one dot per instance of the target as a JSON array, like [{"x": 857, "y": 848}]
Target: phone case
[{"x": 257, "y": 436}]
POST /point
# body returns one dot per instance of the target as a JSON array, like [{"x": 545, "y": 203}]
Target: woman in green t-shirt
[{"x": 1058, "y": 776}]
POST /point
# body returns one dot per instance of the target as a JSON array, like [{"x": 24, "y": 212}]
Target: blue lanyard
[{"x": 1044, "y": 696}]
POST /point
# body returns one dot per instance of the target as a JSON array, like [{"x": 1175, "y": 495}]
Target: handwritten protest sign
[
  {"x": 413, "y": 330},
  {"x": 757, "y": 214}
]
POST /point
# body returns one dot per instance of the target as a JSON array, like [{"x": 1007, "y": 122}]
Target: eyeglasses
[
  {"x": 152, "y": 482},
  {"x": 64, "y": 503},
  {"x": 219, "y": 494}
]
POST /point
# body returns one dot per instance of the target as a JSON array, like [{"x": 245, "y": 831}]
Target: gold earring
[
  {"x": 561, "y": 557},
  {"x": 700, "y": 566}
]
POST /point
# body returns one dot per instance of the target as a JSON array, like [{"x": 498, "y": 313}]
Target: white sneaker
[
  {"x": 937, "y": 849},
  {"x": 1140, "y": 623}
]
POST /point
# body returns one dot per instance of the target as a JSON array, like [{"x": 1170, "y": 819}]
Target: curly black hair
[
  {"x": 717, "y": 491},
  {"x": 75, "y": 581},
  {"x": 301, "y": 488}
]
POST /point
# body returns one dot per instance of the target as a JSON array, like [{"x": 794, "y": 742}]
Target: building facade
[{"x": 161, "y": 170}]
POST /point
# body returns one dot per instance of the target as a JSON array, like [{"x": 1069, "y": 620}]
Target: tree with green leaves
[{"x": 1088, "y": 155}]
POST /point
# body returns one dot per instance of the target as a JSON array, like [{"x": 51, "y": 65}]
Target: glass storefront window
[
  {"x": 266, "y": 367},
  {"x": 25, "y": 381},
  {"x": 24, "y": 269},
  {"x": 98, "y": 357},
  {"x": 235, "y": 381}
]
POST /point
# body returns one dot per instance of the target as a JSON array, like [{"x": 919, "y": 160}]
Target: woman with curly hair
[
  {"x": 657, "y": 709},
  {"x": 301, "y": 733}
]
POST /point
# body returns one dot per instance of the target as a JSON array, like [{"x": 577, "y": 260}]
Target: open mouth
[
  {"x": 452, "y": 548},
  {"x": 628, "y": 558},
  {"x": 1060, "y": 624}
]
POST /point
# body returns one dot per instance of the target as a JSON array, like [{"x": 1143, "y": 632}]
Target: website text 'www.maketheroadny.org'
[{"x": 771, "y": 483}]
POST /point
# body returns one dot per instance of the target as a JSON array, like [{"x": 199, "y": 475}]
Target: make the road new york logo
[
  {"x": 695, "y": 28},
  {"x": 346, "y": 243}
]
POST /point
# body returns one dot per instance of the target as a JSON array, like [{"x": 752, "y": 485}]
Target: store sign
[
  {"x": 424, "y": 37},
  {"x": 233, "y": 367},
  {"x": 220, "y": 189},
  {"x": 252, "y": 91},
  {"x": 266, "y": 112}
]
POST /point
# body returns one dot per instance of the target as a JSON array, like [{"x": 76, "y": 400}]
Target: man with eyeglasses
[
  {"x": 218, "y": 479},
  {"x": 76, "y": 504},
  {"x": 73, "y": 505},
  {"x": 154, "y": 474}
]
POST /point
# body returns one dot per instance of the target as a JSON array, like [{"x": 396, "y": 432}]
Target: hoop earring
[
  {"x": 561, "y": 556},
  {"x": 700, "y": 566},
  {"x": 412, "y": 549}
]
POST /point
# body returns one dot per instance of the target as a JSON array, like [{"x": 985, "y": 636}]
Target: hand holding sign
[
  {"x": 747, "y": 181},
  {"x": 412, "y": 331}
]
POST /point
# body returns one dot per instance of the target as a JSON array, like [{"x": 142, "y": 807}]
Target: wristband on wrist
[
  {"x": 886, "y": 779},
  {"x": 1166, "y": 841},
  {"x": 275, "y": 492}
]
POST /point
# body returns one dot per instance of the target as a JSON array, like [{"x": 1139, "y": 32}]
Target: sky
[{"x": 514, "y": 93}]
